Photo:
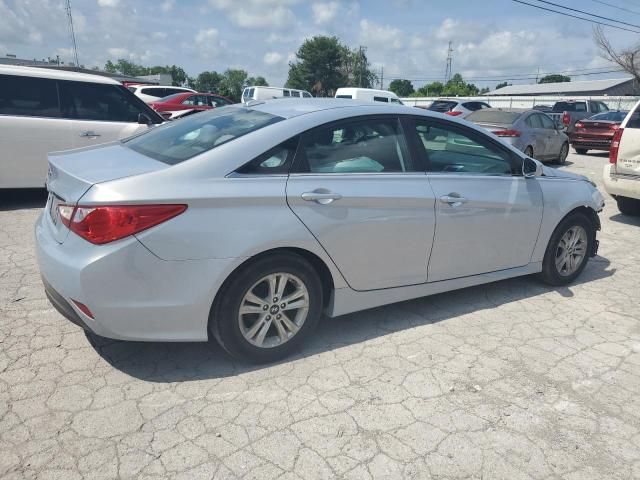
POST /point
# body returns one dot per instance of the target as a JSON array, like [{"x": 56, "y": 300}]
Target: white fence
[{"x": 614, "y": 103}]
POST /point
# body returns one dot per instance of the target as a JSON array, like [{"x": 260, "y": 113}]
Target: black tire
[
  {"x": 562, "y": 156},
  {"x": 550, "y": 273},
  {"x": 628, "y": 206},
  {"x": 581, "y": 151},
  {"x": 224, "y": 324},
  {"x": 529, "y": 151}
]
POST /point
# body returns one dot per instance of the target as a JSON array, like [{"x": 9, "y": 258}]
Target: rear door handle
[
  {"x": 89, "y": 134},
  {"x": 453, "y": 199},
  {"x": 323, "y": 197}
]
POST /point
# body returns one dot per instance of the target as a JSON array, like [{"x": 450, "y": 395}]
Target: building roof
[
  {"x": 560, "y": 87},
  {"x": 54, "y": 74}
]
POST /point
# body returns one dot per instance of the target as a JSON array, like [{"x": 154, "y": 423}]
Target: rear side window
[
  {"x": 442, "y": 106},
  {"x": 295, "y": 94},
  {"x": 534, "y": 121},
  {"x": 95, "y": 101},
  {"x": 276, "y": 161},
  {"x": 286, "y": 93},
  {"x": 381, "y": 99},
  {"x": 191, "y": 136},
  {"x": 28, "y": 96},
  {"x": 306, "y": 94}
]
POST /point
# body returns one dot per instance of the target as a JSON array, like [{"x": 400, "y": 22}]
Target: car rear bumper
[
  {"x": 620, "y": 185},
  {"x": 591, "y": 143},
  {"x": 131, "y": 293}
]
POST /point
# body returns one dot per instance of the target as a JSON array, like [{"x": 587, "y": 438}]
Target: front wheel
[
  {"x": 628, "y": 206},
  {"x": 268, "y": 308},
  {"x": 568, "y": 250}
]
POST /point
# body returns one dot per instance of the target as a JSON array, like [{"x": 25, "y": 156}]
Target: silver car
[
  {"x": 530, "y": 131},
  {"x": 247, "y": 222}
]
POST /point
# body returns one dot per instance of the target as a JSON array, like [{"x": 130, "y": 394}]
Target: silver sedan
[
  {"x": 530, "y": 131},
  {"x": 247, "y": 222}
]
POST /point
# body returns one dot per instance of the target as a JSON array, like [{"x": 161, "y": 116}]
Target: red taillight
[
  {"x": 507, "y": 133},
  {"x": 107, "y": 223},
  {"x": 615, "y": 146},
  {"x": 453, "y": 114},
  {"x": 65, "y": 212},
  {"x": 566, "y": 118},
  {"x": 579, "y": 125}
]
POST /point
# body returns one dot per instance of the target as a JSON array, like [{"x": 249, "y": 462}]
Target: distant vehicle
[
  {"x": 530, "y": 131},
  {"x": 457, "y": 107},
  {"x": 368, "y": 94},
  {"x": 268, "y": 93},
  {"x": 622, "y": 173},
  {"x": 567, "y": 112},
  {"x": 43, "y": 110},
  {"x": 181, "y": 103},
  {"x": 543, "y": 108},
  {"x": 153, "y": 93},
  {"x": 596, "y": 132}
]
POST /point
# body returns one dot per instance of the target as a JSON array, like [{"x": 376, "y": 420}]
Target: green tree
[
  {"x": 502, "y": 85},
  {"x": 232, "y": 83},
  {"x": 257, "y": 82},
  {"x": 207, "y": 82},
  {"x": 319, "y": 66},
  {"x": 555, "y": 78},
  {"x": 434, "y": 89},
  {"x": 484, "y": 90},
  {"x": 356, "y": 68},
  {"x": 402, "y": 88}
]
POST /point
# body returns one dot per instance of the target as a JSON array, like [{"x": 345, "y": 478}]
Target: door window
[
  {"x": 286, "y": 93},
  {"x": 449, "y": 149},
  {"x": 190, "y": 100},
  {"x": 533, "y": 121},
  {"x": 295, "y": 93},
  {"x": 373, "y": 145},
  {"x": 306, "y": 94},
  {"x": 28, "y": 96},
  {"x": 217, "y": 101},
  {"x": 95, "y": 101},
  {"x": 547, "y": 122}
]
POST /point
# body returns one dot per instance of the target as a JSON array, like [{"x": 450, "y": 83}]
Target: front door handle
[
  {"x": 89, "y": 134},
  {"x": 453, "y": 199},
  {"x": 322, "y": 197}
]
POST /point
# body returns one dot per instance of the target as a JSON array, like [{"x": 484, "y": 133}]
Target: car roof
[
  {"x": 293, "y": 107},
  {"x": 509, "y": 110},
  {"x": 55, "y": 74}
]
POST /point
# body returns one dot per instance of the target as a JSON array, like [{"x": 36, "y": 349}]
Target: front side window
[
  {"x": 295, "y": 93},
  {"x": 191, "y": 100},
  {"x": 533, "y": 121},
  {"x": 217, "y": 101},
  {"x": 306, "y": 94},
  {"x": 28, "y": 96},
  {"x": 449, "y": 149},
  {"x": 374, "y": 145},
  {"x": 191, "y": 136}
]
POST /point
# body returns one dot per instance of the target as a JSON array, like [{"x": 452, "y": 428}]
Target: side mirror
[
  {"x": 531, "y": 168},
  {"x": 144, "y": 119}
]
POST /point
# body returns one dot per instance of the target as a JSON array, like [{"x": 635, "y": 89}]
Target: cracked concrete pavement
[{"x": 513, "y": 380}]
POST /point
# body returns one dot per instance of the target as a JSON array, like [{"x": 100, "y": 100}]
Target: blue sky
[{"x": 492, "y": 39}]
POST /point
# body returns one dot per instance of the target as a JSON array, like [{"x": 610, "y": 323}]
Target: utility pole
[
  {"x": 447, "y": 74},
  {"x": 73, "y": 35},
  {"x": 360, "y": 63},
  {"x": 537, "y": 74},
  {"x": 381, "y": 78}
]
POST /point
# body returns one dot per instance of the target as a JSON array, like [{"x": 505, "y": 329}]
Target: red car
[
  {"x": 189, "y": 101},
  {"x": 596, "y": 132}
]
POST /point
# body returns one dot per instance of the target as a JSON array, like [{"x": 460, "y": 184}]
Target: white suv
[
  {"x": 151, "y": 93},
  {"x": 46, "y": 110},
  {"x": 622, "y": 173}
]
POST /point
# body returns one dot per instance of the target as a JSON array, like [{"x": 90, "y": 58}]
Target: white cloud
[
  {"x": 273, "y": 58},
  {"x": 109, "y": 3},
  {"x": 167, "y": 5},
  {"x": 385, "y": 36},
  {"x": 257, "y": 13},
  {"x": 324, "y": 13}
]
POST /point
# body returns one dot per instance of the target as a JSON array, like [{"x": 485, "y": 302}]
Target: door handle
[
  {"x": 453, "y": 199},
  {"x": 323, "y": 197},
  {"x": 89, "y": 134}
]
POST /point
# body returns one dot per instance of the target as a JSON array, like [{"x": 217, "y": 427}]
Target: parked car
[
  {"x": 368, "y": 95},
  {"x": 567, "y": 112},
  {"x": 45, "y": 110},
  {"x": 456, "y": 107},
  {"x": 596, "y": 132},
  {"x": 181, "y": 103},
  {"x": 357, "y": 205},
  {"x": 268, "y": 93},
  {"x": 530, "y": 131},
  {"x": 622, "y": 173},
  {"x": 543, "y": 108},
  {"x": 153, "y": 93}
]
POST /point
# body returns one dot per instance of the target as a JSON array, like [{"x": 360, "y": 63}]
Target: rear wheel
[
  {"x": 529, "y": 152},
  {"x": 568, "y": 250},
  {"x": 628, "y": 206},
  {"x": 562, "y": 156},
  {"x": 581, "y": 151},
  {"x": 268, "y": 308}
]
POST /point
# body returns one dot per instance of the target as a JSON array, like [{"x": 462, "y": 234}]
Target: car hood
[{"x": 556, "y": 173}]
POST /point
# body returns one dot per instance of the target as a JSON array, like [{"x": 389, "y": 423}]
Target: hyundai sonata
[{"x": 247, "y": 222}]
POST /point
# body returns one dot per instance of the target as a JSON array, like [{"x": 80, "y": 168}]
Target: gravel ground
[{"x": 511, "y": 380}]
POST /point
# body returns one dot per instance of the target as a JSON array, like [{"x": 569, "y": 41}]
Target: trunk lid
[{"x": 72, "y": 173}]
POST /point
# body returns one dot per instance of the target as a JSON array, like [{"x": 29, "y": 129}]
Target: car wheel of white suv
[
  {"x": 267, "y": 308},
  {"x": 628, "y": 206}
]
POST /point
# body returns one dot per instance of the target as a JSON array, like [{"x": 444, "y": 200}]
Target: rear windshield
[
  {"x": 179, "y": 141},
  {"x": 170, "y": 97},
  {"x": 344, "y": 96},
  {"x": 570, "y": 107},
  {"x": 614, "y": 116},
  {"x": 493, "y": 116},
  {"x": 442, "y": 106}
]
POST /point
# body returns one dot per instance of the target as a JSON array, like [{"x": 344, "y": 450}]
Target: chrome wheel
[
  {"x": 564, "y": 152},
  {"x": 273, "y": 310},
  {"x": 571, "y": 250}
]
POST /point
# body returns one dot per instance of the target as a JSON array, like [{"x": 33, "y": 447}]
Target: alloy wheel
[{"x": 571, "y": 250}]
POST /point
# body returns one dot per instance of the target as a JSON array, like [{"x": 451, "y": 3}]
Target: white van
[
  {"x": 368, "y": 94},
  {"x": 267, "y": 93},
  {"x": 47, "y": 110}
]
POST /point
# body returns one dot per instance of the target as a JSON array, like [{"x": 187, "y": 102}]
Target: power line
[
  {"x": 575, "y": 16},
  {"x": 590, "y": 14},
  {"x": 616, "y": 6},
  {"x": 73, "y": 35},
  {"x": 493, "y": 79}
]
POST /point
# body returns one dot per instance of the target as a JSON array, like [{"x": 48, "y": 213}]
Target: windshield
[
  {"x": 570, "y": 107},
  {"x": 191, "y": 136},
  {"x": 442, "y": 106},
  {"x": 614, "y": 116},
  {"x": 493, "y": 116}
]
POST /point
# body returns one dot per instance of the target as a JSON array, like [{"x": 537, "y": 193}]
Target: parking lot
[{"x": 510, "y": 380}]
